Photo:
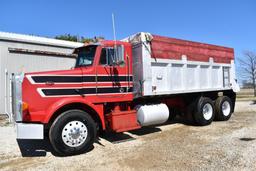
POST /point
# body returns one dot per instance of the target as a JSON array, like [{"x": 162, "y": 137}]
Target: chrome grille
[{"x": 17, "y": 97}]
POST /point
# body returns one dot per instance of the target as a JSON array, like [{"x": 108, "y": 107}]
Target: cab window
[
  {"x": 107, "y": 56},
  {"x": 111, "y": 56}
]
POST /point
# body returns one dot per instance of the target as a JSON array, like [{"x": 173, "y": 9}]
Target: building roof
[{"x": 38, "y": 40}]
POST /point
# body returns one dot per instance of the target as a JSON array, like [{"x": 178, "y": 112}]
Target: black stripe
[
  {"x": 114, "y": 78},
  {"x": 107, "y": 90},
  {"x": 79, "y": 79},
  {"x": 58, "y": 79}
]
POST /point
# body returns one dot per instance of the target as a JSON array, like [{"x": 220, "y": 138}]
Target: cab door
[{"x": 113, "y": 77}]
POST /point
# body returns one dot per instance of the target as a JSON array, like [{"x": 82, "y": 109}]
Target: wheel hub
[
  {"x": 74, "y": 133},
  {"x": 207, "y": 111},
  {"x": 225, "y": 108}
]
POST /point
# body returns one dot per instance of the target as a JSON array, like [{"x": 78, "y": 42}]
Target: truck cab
[{"x": 100, "y": 82}]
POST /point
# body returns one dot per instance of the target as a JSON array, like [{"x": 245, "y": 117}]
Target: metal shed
[{"x": 25, "y": 53}]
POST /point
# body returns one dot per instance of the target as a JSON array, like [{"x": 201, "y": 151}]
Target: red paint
[
  {"x": 176, "y": 102},
  {"x": 120, "y": 121},
  {"x": 170, "y": 48}
]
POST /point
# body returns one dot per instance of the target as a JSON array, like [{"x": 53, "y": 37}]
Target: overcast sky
[{"x": 229, "y": 23}]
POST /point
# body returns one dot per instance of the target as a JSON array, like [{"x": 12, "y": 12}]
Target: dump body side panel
[
  {"x": 173, "y": 66},
  {"x": 171, "y": 48}
]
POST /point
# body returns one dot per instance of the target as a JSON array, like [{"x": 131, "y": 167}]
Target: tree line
[{"x": 82, "y": 39}]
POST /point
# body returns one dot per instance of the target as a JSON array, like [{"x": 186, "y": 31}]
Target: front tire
[
  {"x": 73, "y": 132},
  {"x": 223, "y": 107},
  {"x": 204, "y": 111}
]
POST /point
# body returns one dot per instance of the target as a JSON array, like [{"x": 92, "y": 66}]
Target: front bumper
[
  {"x": 23, "y": 130},
  {"x": 29, "y": 131}
]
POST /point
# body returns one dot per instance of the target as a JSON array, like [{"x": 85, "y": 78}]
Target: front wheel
[{"x": 73, "y": 132}]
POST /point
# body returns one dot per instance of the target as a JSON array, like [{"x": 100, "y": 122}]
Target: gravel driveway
[{"x": 219, "y": 146}]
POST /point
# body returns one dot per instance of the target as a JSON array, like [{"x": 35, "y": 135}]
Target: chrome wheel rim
[
  {"x": 74, "y": 133},
  {"x": 226, "y": 108},
  {"x": 207, "y": 111}
]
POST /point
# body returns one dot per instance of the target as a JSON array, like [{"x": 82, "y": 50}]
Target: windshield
[{"x": 85, "y": 55}]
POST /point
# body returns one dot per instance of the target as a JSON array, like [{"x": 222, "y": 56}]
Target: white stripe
[
  {"x": 88, "y": 95},
  {"x": 29, "y": 77},
  {"x": 80, "y": 87},
  {"x": 76, "y": 75},
  {"x": 109, "y": 82},
  {"x": 39, "y": 90}
]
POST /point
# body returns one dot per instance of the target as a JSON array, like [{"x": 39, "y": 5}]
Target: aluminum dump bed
[{"x": 163, "y": 66}]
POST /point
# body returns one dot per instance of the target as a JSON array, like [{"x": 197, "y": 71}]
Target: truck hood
[{"x": 76, "y": 71}]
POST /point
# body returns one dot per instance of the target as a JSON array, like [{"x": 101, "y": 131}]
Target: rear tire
[
  {"x": 73, "y": 132},
  {"x": 223, "y": 107},
  {"x": 203, "y": 111},
  {"x": 173, "y": 112}
]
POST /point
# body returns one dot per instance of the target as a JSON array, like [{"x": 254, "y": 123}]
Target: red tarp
[{"x": 170, "y": 48}]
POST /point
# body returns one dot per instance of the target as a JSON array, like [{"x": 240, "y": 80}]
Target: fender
[{"x": 98, "y": 108}]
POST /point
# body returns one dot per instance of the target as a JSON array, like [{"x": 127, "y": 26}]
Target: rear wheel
[
  {"x": 73, "y": 132},
  {"x": 173, "y": 112},
  {"x": 203, "y": 111},
  {"x": 223, "y": 107}
]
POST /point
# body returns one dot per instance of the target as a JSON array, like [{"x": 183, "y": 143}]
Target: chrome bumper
[
  {"x": 29, "y": 131},
  {"x": 23, "y": 130}
]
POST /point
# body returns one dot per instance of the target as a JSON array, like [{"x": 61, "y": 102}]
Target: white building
[{"x": 24, "y": 53}]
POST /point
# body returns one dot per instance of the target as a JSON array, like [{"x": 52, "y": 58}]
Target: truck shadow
[
  {"x": 116, "y": 138},
  {"x": 34, "y": 148},
  {"x": 38, "y": 148}
]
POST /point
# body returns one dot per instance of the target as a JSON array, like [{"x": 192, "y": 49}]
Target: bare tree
[{"x": 248, "y": 68}]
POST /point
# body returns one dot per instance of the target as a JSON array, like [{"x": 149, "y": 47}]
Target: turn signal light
[{"x": 24, "y": 106}]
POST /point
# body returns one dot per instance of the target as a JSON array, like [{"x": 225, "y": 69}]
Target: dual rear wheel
[{"x": 205, "y": 110}]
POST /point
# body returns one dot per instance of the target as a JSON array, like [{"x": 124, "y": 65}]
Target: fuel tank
[{"x": 152, "y": 114}]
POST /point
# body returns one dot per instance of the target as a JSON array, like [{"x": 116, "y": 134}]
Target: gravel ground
[{"x": 219, "y": 146}]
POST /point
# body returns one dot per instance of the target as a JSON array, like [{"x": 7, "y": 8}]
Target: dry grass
[
  {"x": 245, "y": 95},
  {"x": 4, "y": 120}
]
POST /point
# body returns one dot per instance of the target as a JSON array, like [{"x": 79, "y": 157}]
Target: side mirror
[
  {"x": 115, "y": 56},
  {"x": 119, "y": 55}
]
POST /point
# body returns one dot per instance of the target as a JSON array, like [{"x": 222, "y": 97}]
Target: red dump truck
[{"x": 124, "y": 85}]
